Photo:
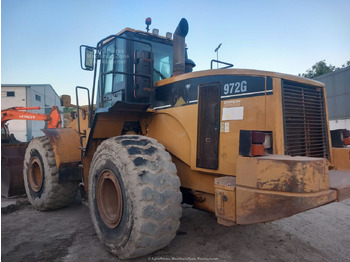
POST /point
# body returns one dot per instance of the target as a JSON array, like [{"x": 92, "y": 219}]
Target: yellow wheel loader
[{"x": 249, "y": 146}]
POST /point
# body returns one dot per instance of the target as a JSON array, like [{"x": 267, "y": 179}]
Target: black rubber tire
[
  {"x": 51, "y": 195},
  {"x": 151, "y": 195}
]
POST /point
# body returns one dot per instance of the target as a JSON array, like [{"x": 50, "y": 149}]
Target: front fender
[{"x": 65, "y": 143}]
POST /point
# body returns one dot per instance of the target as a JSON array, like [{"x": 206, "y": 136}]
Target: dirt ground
[{"x": 321, "y": 234}]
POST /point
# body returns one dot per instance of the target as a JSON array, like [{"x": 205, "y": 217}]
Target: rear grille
[{"x": 305, "y": 127}]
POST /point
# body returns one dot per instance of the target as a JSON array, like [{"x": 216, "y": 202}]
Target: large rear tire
[
  {"x": 134, "y": 196},
  {"x": 41, "y": 177}
]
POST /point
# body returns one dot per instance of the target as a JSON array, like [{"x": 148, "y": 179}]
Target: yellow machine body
[
  {"x": 242, "y": 189},
  {"x": 213, "y": 123}
]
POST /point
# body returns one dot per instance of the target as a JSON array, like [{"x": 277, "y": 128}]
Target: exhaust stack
[{"x": 179, "y": 47}]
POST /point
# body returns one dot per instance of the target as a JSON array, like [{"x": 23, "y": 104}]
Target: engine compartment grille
[{"x": 305, "y": 126}]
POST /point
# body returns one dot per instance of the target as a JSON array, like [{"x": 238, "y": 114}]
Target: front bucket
[{"x": 12, "y": 157}]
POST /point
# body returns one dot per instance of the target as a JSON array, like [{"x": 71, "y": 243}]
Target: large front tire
[
  {"x": 41, "y": 177},
  {"x": 134, "y": 196}
]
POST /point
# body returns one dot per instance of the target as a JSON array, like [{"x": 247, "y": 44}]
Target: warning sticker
[
  {"x": 232, "y": 113},
  {"x": 231, "y": 103},
  {"x": 224, "y": 127}
]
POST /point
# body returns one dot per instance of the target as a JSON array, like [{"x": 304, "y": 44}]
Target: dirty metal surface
[
  {"x": 65, "y": 143},
  {"x": 341, "y": 158},
  {"x": 257, "y": 206},
  {"x": 274, "y": 187},
  {"x": 12, "y": 156},
  {"x": 283, "y": 173}
]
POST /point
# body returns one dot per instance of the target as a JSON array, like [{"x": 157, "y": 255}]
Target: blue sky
[{"x": 40, "y": 39}]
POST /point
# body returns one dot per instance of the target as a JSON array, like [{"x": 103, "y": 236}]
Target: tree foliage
[
  {"x": 346, "y": 64},
  {"x": 321, "y": 68}
]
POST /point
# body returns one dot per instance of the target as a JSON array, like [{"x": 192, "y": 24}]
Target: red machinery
[{"x": 19, "y": 113}]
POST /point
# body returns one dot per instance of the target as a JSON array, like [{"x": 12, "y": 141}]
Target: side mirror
[{"x": 89, "y": 55}]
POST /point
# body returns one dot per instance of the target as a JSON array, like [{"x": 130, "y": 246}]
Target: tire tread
[{"x": 56, "y": 195}]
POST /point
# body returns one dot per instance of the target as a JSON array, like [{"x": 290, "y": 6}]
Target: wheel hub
[
  {"x": 109, "y": 199},
  {"x": 35, "y": 174}
]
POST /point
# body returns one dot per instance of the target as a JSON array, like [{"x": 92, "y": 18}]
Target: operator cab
[{"x": 129, "y": 63}]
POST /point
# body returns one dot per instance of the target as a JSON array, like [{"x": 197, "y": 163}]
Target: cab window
[
  {"x": 113, "y": 68},
  {"x": 163, "y": 57}
]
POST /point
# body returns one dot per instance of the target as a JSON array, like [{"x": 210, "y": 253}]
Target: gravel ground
[{"x": 321, "y": 234}]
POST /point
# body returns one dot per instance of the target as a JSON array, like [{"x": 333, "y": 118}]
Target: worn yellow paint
[
  {"x": 110, "y": 124},
  {"x": 283, "y": 173},
  {"x": 180, "y": 124},
  {"x": 225, "y": 200},
  {"x": 84, "y": 125},
  {"x": 266, "y": 188},
  {"x": 299, "y": 182},
  {"x": 256, "y": 206},
  {"x": 341, "y": 158},
  {"x": 327, "y": 124},
  {"x": 204, "y": 201},
  {"x": 199, "y": 181},
  {"x": 262, "y": 113},
  {"x": 65, "y": 144},
  {"x": 176, "y": 126}
]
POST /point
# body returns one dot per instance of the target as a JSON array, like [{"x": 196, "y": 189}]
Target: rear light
[
  {"x": 258, "y": 150},
  {"x": 347, "y": 141},
  {"x": 258, "y": 137},
  {"x": 255, "y": 143},
  {"x": 340, "y": 137},
  {"x": 346, "y": 134}
]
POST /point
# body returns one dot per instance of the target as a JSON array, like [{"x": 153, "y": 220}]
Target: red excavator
[
  {"x": 53, "y": 119},
  {"x": 12, "y": 150}
]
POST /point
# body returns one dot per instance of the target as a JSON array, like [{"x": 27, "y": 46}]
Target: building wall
[
  {"x": 17, "y": 127},
  {"x": 43, "y": 96},
  {"x": 339, "y": 124},
  {"x": 338, "y": 96}
]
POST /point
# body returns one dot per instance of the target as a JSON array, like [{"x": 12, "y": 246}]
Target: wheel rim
[
  {"x": 109, "y": 199},
  {"x": 35, "y": 174}
]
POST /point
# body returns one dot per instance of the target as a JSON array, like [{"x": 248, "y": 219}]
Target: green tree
[
  {"x": 346, "y": 64},
  {"x": 320, "y": 68}
]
